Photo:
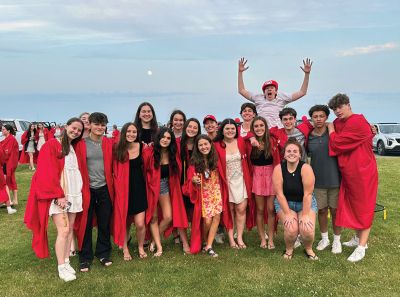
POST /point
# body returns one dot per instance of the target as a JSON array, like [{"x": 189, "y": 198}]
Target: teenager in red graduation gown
[
  {"x": 176, "y": 121},
  {"x": 185, "y": 144},
  {"x": 350, "y": 139},
  {"x": 162, "y": 169},
  {"x": 262, "y": 160},
  {"x": 42, "y": 135},
  {"x": 237, "y": 181},
  {"x": 130, "y": 202},
  {"x": 53, "y": 193},
  {"x": 29, "y": 152},
  {"x": 11, "y": 150},
  {"x": 95, "y": 163},
  {"x": 4, "y": 198},
  {"x": 203, "y": 186}
]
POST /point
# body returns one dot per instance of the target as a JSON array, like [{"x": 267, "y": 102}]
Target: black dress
[
  {"x": 137, "y": 186},
  {"x": 145, "y": 135}
]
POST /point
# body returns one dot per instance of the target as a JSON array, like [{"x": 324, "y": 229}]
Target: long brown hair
[
  {"x": 121, "y": 148},
  {"x": 264, "y": 139},
  {"x": 65, "y": 145},
  {"x": 197, "y": 158}
]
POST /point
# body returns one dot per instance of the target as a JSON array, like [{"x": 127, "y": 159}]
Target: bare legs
[
  {"x": 210, "y": 227},
  {"x": 260, "y": 209},
  {"x": 157, "y": 229},
  {"x": 64, "y": 223},
  {"x": 139, "y": 220},
  {"x": 31, "y": 164},
  {"x": 238, "y": 213}
]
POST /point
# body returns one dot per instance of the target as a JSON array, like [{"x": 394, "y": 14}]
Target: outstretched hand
[
  {"x": 307, "y": 63},
  {"x": 242, "y": 65}
]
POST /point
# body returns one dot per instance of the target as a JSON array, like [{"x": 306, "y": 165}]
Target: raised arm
[
  {"x": 241, "y": 89},
  {"x": 307, "y": 63}
]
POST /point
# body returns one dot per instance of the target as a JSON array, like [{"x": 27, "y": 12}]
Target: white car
[
  {"x": 20, "y": 126},
  {"x": 387, "y": 138}
]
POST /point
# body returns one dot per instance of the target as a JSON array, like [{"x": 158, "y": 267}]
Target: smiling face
[
  {"x": 288, "y": 121},
  {"x": 229, "y": 131},
  {"x": 192, "y": 129},
  {"x": 319, "y": 119},
  {"x": 211, "y": 126},
  {"x": 259, "y": 128},
  {"x": 85, "y": 119},
  {"x": 270, "y": 92},
  {"x": 247, "y": 114},
  {"x": 146, "y": 115},
  {"x": 98, "y": 129},
  {"x": 165, "y": 141},
  {"x": 343, "y": 111},
  {"x": 131, "y": 134},
  {"x": 292, "y": 153},
  {"x": 204, "y": 146},
  {"x": 74, "y": 130},
  {"x": 177, "y": 122}
]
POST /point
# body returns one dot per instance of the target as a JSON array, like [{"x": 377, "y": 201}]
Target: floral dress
[{"x": 211, "y": 194}]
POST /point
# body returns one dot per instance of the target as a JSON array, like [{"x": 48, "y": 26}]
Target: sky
[{"x": 60, "y": 58}]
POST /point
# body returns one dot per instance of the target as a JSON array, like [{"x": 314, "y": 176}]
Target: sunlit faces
[
  {"x": 247, "y": 114},
  {"x": 192, "y": 129},
  {"x": 74, "y": 130},
  {"x": 165, "y": 141},
  {"x": 131, "y": 134},
  {"x": 288, "y": 121},
  {"x": 145, "y": 114},
  {"x": 259, "y": 128},
  {"x": 178, "y": 122},
  {"x": 5, "y": 132},
  {"x": 343, "y": 111},
  {"x": 229, "y": 131},
  {"x": 85, "y": 120},
  {"x": 319, "y": 118},
  {"x": 211, "y": 126},
  {"x": 270, "y": 92},
  {"x": 98, "y": 129},
  {"x": 292, "y": 153},
  {"x": 204, "y": 146}
]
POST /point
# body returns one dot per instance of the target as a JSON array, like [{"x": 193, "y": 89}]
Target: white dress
[
  {"x": 234, "y": 172},
  {"x": 41, "y": 140},
  {"x": 71, "y": 182}
]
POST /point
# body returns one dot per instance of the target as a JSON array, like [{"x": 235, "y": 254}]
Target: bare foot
[{"x": 127, "y": 255}]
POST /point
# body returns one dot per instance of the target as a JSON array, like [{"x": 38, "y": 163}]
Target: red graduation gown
[
  {"x": 11, "y": 150},
  {"x": 3, "y": 192},
  {"x": 45, "y": 186},
  {"x": 80, "y": 150},
  {"x": 24, "y": 158},
  {"x": 47, "y": 135},
  {"x": 226, "y": 215},
  {"x": 153, "y": 176},
  {"x": 352, "y": 144}
]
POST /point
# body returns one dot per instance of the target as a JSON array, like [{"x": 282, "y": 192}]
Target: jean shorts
[
  {"x": 164, "y": 186},
  {"x": 297, "y": 206}
]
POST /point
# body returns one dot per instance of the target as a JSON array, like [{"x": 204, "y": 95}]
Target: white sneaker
[
  {"x": 65, "y": 275},
  {"x": 69, "y": 268},
  {"x": 357, "y": 255},
  {"x": 336, "y": 247},
  {"x": 323, "y": 244},
  {"x": 297, "y": 243},
  {"x": 353, "y": 242},
  {"x": 11, "y": 211}
]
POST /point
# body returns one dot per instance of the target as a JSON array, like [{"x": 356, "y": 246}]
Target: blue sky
[{"x": 59, "y": 58}]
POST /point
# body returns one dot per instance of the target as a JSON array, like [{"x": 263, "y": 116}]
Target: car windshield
[
  {"x": 11, "y": 123},
  {"x": 387, "y": 129}
]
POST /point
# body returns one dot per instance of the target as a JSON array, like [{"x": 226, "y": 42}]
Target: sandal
[
  {"x": 287, "y": 256},
  {"x": 263, "y": 246},
  {"x": 311, "y": 257},
  {"x": 142, "y": 255},
  {"x": 271, "y": 246},
  {"x": 127, "y": 256},
  {"x": 105, "y": 262},
  {"x": 84, "y": 266},
  {"x": 242, "y": 246},
  {"x": 158, "y": 254},
  {"x": 211, "y": 253},
  {"x": 234, "y": 246}
]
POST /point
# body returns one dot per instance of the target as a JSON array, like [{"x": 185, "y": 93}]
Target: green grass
[{"x": 250, "y": 272}]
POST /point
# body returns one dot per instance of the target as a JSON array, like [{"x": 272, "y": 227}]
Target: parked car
[
  {"x": 20, "y": 127},
  {"x": 387, "y": 138}
]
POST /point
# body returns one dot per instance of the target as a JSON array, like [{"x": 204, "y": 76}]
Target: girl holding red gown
[
  {"x": 4, "y": 197},
  {"x": 162, "y": 170},
  {"x": 130, "y": 201},
  {"x": 232, "y": 154},
  {"x": 56, "y": 191},
  {"x": 29, "y": 153},
  {"x": 203, "y": 186},
  {"x": 11, "y": 150}
]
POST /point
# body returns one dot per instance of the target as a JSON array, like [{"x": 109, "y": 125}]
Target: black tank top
[
  {"x": 165, "y": 171},
  {"x": 292, "y": 182}
]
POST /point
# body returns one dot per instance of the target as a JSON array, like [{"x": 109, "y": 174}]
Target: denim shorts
[
  {"x": 297, "y": 206},
  {"x": 164, "y": 186}
]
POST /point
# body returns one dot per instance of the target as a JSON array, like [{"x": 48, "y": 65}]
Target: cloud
[
  {"x": 20, "y": 25},
  {"x": 370, "y": 49}
]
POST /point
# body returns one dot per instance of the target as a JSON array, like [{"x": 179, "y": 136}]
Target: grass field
[{"x": 250, "y": 272}]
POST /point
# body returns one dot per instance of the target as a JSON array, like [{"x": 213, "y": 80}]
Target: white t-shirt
[{"x": 270, "y": 109}]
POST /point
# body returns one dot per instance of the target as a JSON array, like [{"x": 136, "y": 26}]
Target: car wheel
[{"x": 381, "y": 148}]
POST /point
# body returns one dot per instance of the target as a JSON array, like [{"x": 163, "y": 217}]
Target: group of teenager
[{"x": 169, "y": 180}]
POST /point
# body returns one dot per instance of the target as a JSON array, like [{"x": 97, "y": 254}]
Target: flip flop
[
  {"x": 311, "y": 257},
  {"x": 271, "y": 246},
  {"x": 142, "y": 255},
  {"x": 158, "y": 254},
  {"x": 287, "y": 256}
]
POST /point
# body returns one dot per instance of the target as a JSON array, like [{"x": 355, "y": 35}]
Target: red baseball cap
[
  {"x": 270, "y": 83},
  {"x": 209, "y": 117}
]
